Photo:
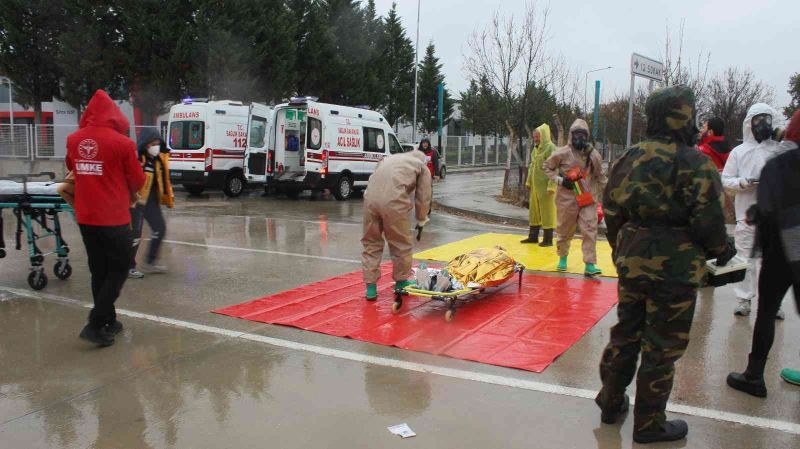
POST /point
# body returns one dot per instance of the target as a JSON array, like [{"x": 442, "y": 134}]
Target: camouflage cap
[{"x": 670, "y": 111}]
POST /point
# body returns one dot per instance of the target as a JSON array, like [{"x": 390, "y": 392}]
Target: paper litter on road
[{"x": 403, "y": 430}]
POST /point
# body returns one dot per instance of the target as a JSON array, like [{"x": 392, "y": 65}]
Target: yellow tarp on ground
[{"x": 534, "y": 257}]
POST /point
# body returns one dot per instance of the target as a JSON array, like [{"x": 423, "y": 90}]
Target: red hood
[
  {"x": 103, "y": 112},
  {"x": 708, "y": 139},
  {"x": 793, "y": 130}
]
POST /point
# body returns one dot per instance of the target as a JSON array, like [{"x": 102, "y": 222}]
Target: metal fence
[
  {"x": 473, "y": 151},
  {"x": 15, "y": 141},
  {"x": 35, "y": 142}
]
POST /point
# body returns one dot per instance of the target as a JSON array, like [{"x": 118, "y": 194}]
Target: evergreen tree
[
  {"x": 29, "y": 49},
  {"x": 469, "y": 106},
  {"x": 92, "y": 52},
  {"x": 794, "y": 91},
  {"x": 397, "y": 64},
  {"x": 430, "y": 76}
]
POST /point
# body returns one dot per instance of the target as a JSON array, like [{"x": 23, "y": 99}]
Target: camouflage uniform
[{"x": 664, "y": 214}]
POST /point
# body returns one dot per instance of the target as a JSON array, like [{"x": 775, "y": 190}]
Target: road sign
[{"x": 646, "y": 67}]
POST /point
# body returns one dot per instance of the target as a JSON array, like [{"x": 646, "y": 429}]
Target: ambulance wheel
[
  {"x": 2, "y": 253},
  {"x": 398, "y": 304},
  {"x": 234, "y": 184},
  {"x": 63, "y": 270},
  {"x": 194, "y": 190},
  {"x": 344, "y": 188},
  {"x": 37, "y": 279},
  {"x": 448, "y": 316},
  {"x": 293, "y": 193}
]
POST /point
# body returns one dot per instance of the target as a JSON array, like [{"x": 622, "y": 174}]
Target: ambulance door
[
  {"x": 257, "y": 158},
  {"x": 290, "y": 138}
]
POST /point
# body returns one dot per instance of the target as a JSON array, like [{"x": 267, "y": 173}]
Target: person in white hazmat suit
[{"x": 740, "y": 176}]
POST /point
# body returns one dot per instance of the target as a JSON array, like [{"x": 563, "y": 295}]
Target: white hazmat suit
[{"x": 743, "y": 166}]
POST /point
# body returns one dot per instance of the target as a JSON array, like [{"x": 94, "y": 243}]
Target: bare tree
[
  {"x": 731, "y": 94},
  {"x": 566, "y": 85},
  {"x": 510, "y": 55},
  {"x": 682, "y": 70}
]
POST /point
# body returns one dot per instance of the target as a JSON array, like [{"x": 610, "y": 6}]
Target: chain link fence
[
  {"x": 44, "y": 142},
  {"x": 475, "y": 151}
]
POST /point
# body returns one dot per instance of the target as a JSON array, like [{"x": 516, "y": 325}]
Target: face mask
[
  {"x": 762, "y": 131},
  {"x": 579, "y": 141},
  {"x": 154, "y": 150}
]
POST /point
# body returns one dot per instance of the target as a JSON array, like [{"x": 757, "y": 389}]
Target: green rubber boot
[
  {"x": 372, "y": 292},
  {"x": 399, "y": 285},
  {"x": 562, "y": 264},
  {"x": 592, "y": 270},
  {"x": 791, "y": 375}
]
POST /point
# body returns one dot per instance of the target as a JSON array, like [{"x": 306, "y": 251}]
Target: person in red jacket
[
  {"x": 712, "y": 142},
  {"x": 107, "y": 175}
]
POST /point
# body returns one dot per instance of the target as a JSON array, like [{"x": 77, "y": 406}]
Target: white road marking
[
  {"x": 523, "y": 384},
  {"x": 264, "y": 251}
]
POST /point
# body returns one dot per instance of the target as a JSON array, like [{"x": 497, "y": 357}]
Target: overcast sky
[{"x": 762, "y": 36}]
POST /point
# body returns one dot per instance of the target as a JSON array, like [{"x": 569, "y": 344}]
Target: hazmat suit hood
[
  {"x": 146, "y": 136},
  {"x": 103, "y": 112},
  {"x": 545, "y": 136},
  {"x": 419, "y": 154},
  {"x": 577, "y": 125},
  {"x": 747, "y": 125},
  {"x": 671, "y": 113}
]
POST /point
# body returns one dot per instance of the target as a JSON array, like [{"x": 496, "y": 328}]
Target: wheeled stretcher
[
  {"x": 468, "y": 276},
  {"x": 36, "y": 205}
]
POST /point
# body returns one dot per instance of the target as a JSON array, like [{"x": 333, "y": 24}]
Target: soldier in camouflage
[{"x": 664, "y": 213}]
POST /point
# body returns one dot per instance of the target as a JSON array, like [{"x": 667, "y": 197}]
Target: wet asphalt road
[{"x": 181, "y": 377}]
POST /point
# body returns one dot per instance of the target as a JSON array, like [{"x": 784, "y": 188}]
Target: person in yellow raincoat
[{"x": 542, "y": 199}]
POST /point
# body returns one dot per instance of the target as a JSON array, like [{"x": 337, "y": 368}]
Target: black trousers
[
  {"x": 774, "y": 281},
  {"x": 151, "y": 213},
  {"x": 108, "y": 249}
]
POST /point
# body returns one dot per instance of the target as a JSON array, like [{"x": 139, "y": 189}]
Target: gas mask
[
  {"x": 154, "y": 150},
  {"x": 579, "y": 141},
  {"x": 762, "y": 127}
]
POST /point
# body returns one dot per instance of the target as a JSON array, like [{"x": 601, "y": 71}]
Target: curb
[{"x": 480, "y": 216}]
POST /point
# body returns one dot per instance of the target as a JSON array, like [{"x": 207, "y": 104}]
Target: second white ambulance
[{"x": 316, "y": 146}]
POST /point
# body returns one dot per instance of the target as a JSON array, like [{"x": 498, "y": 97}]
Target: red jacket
[
  {"x": 716, "y": 149},
  {"x": 104, "y": 162}
]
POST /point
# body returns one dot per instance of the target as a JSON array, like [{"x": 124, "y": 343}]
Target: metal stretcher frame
[
  {"x": 32, "y": 212},
  {"x": 450, "y": 299}
]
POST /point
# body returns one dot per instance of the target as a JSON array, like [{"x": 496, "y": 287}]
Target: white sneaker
[
  {"x": 780, "y": 315},
  {"x": 133, "y": 273},
  {"x": 743, "y": 309},
  {"x": 154, "y": 269}
]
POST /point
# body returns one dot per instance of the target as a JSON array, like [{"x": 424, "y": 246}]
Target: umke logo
[{"x": 88, "y": 149}]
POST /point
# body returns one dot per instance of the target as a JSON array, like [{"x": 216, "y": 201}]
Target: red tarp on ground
[{"x": 524, "y": 329}]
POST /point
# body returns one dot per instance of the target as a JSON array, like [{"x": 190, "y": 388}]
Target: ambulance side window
[
  {"x": 314, "y": 134},
  {"x": 258, "y": 130},
  {"x": 374, "y": 140},
  {"x": 186, "y": 135},
  {"x": 394, "y": 145}
]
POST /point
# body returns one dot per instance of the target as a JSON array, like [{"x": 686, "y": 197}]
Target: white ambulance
[
  {"x": 316, "y": 146},
  {"x": 208, "y": 139}
]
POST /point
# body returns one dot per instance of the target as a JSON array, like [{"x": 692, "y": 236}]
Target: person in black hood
[
  {"x": 154, "y": 157},
  {"x": 431, "y": 156}
]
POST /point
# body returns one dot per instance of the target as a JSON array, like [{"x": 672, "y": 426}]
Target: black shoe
[
  {"x": 99, "y": 336},
  {"x": 609, "y": 415},
  {"x": 115, "y": 327},
  {"x": 548, "y": 238},
  {"x": 533, "y": 235},
  {"x": 673, "y": 431},
  {"x": 744, "y": 382}
]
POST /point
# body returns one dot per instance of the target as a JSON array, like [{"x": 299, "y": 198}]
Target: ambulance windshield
[{"x": 186, "y": 135}]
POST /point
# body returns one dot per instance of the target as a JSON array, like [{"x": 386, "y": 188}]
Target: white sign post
[{"x": 646, "y": 68}]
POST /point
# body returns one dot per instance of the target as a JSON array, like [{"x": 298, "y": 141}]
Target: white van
[
  {"x": 316, "y": 146},
  {"x": 207, "y": 142}
]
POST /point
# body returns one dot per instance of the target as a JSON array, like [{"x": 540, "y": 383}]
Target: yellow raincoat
[{"x": 542, "y": 199}]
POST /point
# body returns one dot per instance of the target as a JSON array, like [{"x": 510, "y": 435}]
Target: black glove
[{"x": 727, "y": 255}]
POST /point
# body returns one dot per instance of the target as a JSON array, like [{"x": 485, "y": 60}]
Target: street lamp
[
  {"x": 586, "y": 85},
  {"x": 416, "y": 76}
]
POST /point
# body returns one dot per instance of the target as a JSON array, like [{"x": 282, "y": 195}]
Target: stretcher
[
  {"x": 36, "y": 205},
  {"x": 474, "y": 273}
]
